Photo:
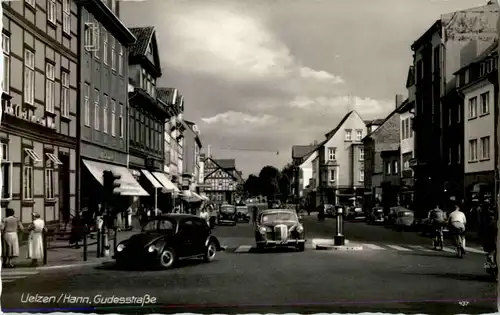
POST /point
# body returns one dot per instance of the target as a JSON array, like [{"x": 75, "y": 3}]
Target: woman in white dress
[
  {"x": 35, "y": 245},
  {"x": 10, "y": 247}
]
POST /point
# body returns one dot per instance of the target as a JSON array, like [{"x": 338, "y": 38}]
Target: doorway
[{"x": 64, "y": 186}]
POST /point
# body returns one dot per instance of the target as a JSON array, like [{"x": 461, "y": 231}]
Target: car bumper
[
  {"x": 135, "y": 257},
  {"x": 223, "y": 221},
  {"x": 289, "y": 242}
]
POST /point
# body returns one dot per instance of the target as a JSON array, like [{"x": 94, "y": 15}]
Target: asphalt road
[{"x": 279, "y": 281}]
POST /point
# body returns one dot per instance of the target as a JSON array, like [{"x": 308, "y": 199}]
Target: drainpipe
[{"x": 78, "y": 139}]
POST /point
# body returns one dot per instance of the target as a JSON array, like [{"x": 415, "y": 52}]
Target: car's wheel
[
  {"x": 301, "y": 247},
  {"x": 210, "y": 252},
  {"x": 167, "y": 258}
]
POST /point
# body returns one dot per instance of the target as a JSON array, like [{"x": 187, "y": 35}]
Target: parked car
[
  {"x": 227, "y": 215},
  {"x": 376, "y": 216},
  {"x": 166, "y": 239},
  {"x": 403, "y": 218},
  {"x": 355, "y": 213},
  {"x": 279, "y": 228},
  {"x": 242, "y": 214},
  {"x": 330, "y": 210}
]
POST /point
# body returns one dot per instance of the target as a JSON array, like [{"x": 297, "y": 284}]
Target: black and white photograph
[{"x": 249, "y": 156}]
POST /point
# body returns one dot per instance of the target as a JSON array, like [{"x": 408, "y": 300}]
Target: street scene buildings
[{"x": 236, "y": 150}]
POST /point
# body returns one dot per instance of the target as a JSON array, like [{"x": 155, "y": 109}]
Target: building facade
[
  {"x": 478, "y": 83},
  {"x": 191, "y": 156},
  {"x": 339, "y": 168},
  {"x": 299, "y": 154},
  {"x": 220, "y": 180},
  {"x": 39, "y": 103}
]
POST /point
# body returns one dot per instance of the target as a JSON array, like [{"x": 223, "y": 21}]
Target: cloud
[{"x": 232, "y": 118}]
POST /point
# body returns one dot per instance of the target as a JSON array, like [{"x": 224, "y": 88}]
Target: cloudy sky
[{"x": 259, "y": 76}]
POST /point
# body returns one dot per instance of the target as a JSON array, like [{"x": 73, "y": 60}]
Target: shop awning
[
  {"x": 152, "y": 179},
  {"x": 195, "y": 197},
  {"x": 205, "y": 197},
  {"x": 168, "y": 186},
  {"x": 129, "y": 186},
  {"x": 186, "y": 194}
]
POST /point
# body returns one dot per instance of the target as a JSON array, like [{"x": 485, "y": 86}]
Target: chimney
[
  {"x": 399, "y": 100},
  {"x": 208, "y": 151}
]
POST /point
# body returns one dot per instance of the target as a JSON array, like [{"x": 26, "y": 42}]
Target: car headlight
[
  {"x": 120, "y": 247},
  {"x": 151, "y": 248},
  {"x": 300, "y": 229},
  {"x": 262, "y": 230}
]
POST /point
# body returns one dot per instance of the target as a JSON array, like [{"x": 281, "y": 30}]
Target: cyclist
[
  {"x": 437, "y": 218},
  {"x": 457, "y": 222},
  {"x": 489, "y": 232}
]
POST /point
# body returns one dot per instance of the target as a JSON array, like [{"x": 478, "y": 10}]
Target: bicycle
[
  {"x": 438, "y": 239},
  {"x": 460, "y": 245}
]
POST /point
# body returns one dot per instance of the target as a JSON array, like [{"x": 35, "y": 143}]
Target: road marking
[
  {"x": 7, "y": 280},
  {"x": 373, "y": 246},
  {"x": 449, "y": 250},
  {"x": 474, "y": 250},
  {"x": 13, "y": 277},
  {"x": 417, "y": 247},
  {"x": 19, "y": 273},
  {"x": 396, "y": 247},
  {"x": 243, "y": 249}
]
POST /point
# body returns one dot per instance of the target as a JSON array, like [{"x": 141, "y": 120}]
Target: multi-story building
[
  {"x": 406, "y": 146},
  {"x": 103, "y": 135},
  {"x": 339, "y": 168},
  {"x": 381, "y": 161},
  {"x": 191, "y": 156},
  {"x": 438, "y": 53},
  {"x": 299, "y": 154},
  {"x": 478, "y": 83},
  {"x": 220, "y": 180},
  {"x": 147, "y": 117},
  {"x": 39, "y": 104}
]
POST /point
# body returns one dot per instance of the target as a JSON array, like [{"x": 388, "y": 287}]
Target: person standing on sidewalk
[
  {"x": 35, "y": 243},
  {"x": 10, "y": 227}
]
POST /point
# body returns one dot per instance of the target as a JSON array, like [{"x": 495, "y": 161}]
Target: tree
[
  {"x": 268, "y": 182},
  {"x": 240, "y": 191},
  {"x": 251, "y": 186},
  {"x": 284, "y": 186}
]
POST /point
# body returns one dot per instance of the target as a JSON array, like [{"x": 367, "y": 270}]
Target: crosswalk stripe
[
  {"x": 474, "y": 250},
  {"x": 373, "y": 246},
  {"x": 449, "y": 250},
  {"x": 19, "y": 273},
  {"x": 13, "y": 277},
  {"x": 243, "y": 248},
  {"x": 420, "y": 248},
  {"x": 7, "y": 280},
  {"x": 396, "y": 247}
]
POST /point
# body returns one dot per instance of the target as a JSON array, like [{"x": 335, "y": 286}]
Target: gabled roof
[
  {"x": 145, "y": 36},
  {"x": 332, "y": 132},
  {"x": 305, "y": 158},
  {"x": 376, "y": 122},
  {"x": 490, "y": 51},
  {"x": 410, "y": 78},
  {"x": 374, "y": 132},
  {"x": 226, "y": 163},
  {"x": 435, "y": 27},
  {"x": 167, "y": 95},
  {"x": 226, "y": 170},
  {"x": 300, "y": 151}
]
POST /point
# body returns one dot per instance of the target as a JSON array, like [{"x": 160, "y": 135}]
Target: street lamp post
[{"x": 339, "y": 238}]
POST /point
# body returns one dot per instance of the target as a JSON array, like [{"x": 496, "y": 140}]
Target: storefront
[{"x": 169, "y": 192}]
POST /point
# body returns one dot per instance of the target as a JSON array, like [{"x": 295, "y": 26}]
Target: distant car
[
  {"x": 279, "y": 228},
  {"x": 227, "y": 215},
  {"x": 376, "y": 216},
  {"x": 355, "y": 213},
  {"x": 166, "y": 239},
  {"x": 329, "y": 210},
  {"x": 242, "y": 214},
  {"x": 403, "y": 218}
]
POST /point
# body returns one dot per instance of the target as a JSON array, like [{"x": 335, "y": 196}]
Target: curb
[
  {"x": 340, "y": 248},
  {"x": 321, "y": 242},
  {"x": 78, "y": 265}
]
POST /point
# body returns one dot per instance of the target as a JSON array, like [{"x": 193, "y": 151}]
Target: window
[
  {"x": 482, "y": 69},
  {"x": 66, "y": 16},
  {"x": 64, "y": 94},
  {"x": 51, "y": 11},
  {"x": 395, "y": 167},
  {"x": 388, "y": 168},
  {"x": 113, "y": 53},
  {"x": 120, "y": 121},
  {"x": 6, "y": 173},
  {"x": 361, "y": 175},
  {"x": 331, "y": 154},
  {"x": 120, "y": 59},
  {"x": 459, "y": 154},
  {"x": 459, "y": 113},
  {"x": 144, "y": 80},
  {"x": 6, "y": 63},
  {"x": 403, "y": 129},
  {"x": 359, "y": 135},
  {"x": 473, "y": 107},
  {"x": 105, "y": 115},
  {"x": 361, "y": 154},
  {"x": 30, "y": 2},
  {"x": 105, "y": 47},
  {"x": 29, "y": 77},
  {"x": 30, "y": 158},
  {"x": 86, "y": 106},
  {"x": 92, "y": 37},
  {"x": 49, "y": 178},
  {"x": 50, "y": 88},
  {"x": 485, "y": 148},
  {"x": 472, "y": 150},
  {"x": 348, "y": 135},
  {"x": 485, "y": 103},
  {"x": 333, "y": 175},
  {"x": 113, "y": 117},
  {"x": 97, "y": 111}
]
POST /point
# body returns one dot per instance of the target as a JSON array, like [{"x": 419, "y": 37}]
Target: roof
[
  {"x": 396, "y": 110},
  {"x": 410, "y": 79},
  {"x": 143, "y": 35},
  {"x": 226, "y": 163},
  {"x": 190, "y": 123},
  {"x": 299, "y": 151},
  {"x": 378, "y": 122},
  {"x": 436, "y": 26},
  {"x": 332, "y": 132},
  {"x": 166, "y": 95},
  {"x": 491, "y": 50}
]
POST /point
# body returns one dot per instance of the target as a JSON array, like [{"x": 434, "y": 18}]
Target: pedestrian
[
  {"x": 255, "y": 211},
  {"x": 205, "y": 216},
  {"x": 10, "y": 227},
  {"x": 35, "y": 243},
  {"x": 77, "y": 230},
  {"x": 128, "y": 222}
]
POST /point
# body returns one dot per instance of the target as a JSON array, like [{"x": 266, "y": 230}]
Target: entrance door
[{"x": 64, "y": 184}]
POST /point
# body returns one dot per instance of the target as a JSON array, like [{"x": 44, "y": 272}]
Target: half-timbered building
[{"x": 220, "y": 180}]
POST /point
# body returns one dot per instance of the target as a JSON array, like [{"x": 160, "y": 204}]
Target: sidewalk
[{"x": 61, "y": 255}]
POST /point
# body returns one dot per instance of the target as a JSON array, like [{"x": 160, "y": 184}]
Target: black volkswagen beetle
[
  {"x": 227, "y": 215},
  {"x": 166, "y": 239},
  {"x": 279, "y": 228}
]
